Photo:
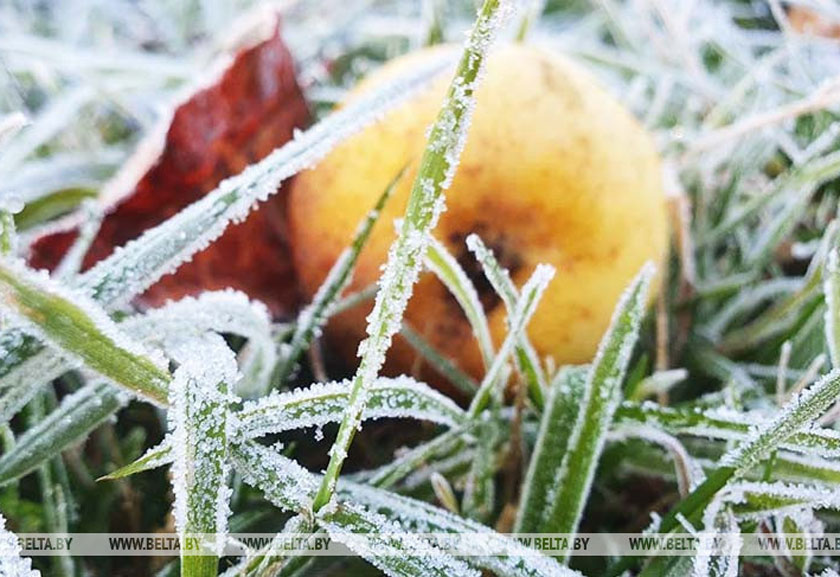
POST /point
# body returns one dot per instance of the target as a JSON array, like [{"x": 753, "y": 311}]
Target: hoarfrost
[
  {"x": 201, "y": 426},
  {"x": 322, "y": 403},
  {"x": 11, "y": 563}
]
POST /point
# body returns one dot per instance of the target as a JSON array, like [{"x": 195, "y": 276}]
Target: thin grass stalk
[
  {"x": 437, "y": 168},
  {"x": 311, "y": 319}
]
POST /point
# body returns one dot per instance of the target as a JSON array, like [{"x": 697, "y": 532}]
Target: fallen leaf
[{"x": 251, "y": 107}]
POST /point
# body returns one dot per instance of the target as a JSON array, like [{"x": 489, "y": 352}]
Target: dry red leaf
[{"x": 251, "y": 108}]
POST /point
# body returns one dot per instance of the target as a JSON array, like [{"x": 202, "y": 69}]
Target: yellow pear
[{"x": 554, "y": 171}]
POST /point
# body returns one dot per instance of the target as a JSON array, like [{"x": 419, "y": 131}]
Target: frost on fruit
[{"x": 11, "y": 563}]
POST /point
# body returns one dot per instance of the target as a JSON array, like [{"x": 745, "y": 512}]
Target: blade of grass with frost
[
  {"x": 71, "y": 262},
  {"x": 446, "y": 367},
  {"x": 413, "y": 515},
  {"x": 387, "y": 546},
  {"x": 808, "y": 176},
  {"x": 756, "y": 500},
  {"x": 69, "y": 424},
  {"x": 11, "y": 563},
  {"x": 278, "y": 558},
  {"x": 134, "y": 267},
  {"x": 225, "y": 311},
  {"x": 450, "y": 273},
  {"x": 404, "y": 465},
  {"x": 322, "y": 403},
  {"x": 724, "y": 425},
  {"x": 199, "y": 421},
  {"x": 59, "y": 112},
  {"x": 75, "y": 325},
  {"x": 291, "y": 487},
  {"x": 311, "y": 319},
  {"x": 480, "y": 486},
  {"x": 562, "y": 406},
  {"x": 831, "y": 289},
  {"x": 8, "y": 234},
  {"x": 527, "y": 361},
  {"x": 600, "y": 398},
  {"x": 402, "y": 268},
  {"x": 157, "y": 456},
  {"x": 526, "y": 306},
  {"x": 799, "y": 413}
]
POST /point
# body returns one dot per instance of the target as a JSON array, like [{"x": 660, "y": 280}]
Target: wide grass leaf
[{"x": 601, "y": 396}]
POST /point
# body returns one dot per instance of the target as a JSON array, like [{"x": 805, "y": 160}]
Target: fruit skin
[{"x": 554, "y": 171}]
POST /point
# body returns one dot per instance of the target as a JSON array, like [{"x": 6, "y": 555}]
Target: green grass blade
[
  {"x": 286, "y": 484},
  {"x": 223, "y": 312},
  {"x": 403, "y": 466},
  {"x": 155, "y": 457},
  {"x": 480, "y": 487},
  {"x": 450, "y": 273},
  {"x": 527, "y": 361},
  {"x": 67, "y": 425},
  {"x": 831, "y": 289},
  {"x": 808, "y": 176},
  {"x": 388, "y": 547},
  {"x": 445, "y": 366},
  {"x": 319, "y": 404},
  {"x": 75, "y": 325},
  {"x": 564, "y": 402},
  {"x": 198, "y": 418},
  {"x": 312, "y": 318},
  {"x": 725, "y": 425},
  {"x": 800, "y": 412},
  {"x": 753, "y": 500},
  {"x": 525, "y": 309},
  {"x": 600, "y": 398},
  {"x": 425, "y": 203},
  {"x": 414, "y": 515}
]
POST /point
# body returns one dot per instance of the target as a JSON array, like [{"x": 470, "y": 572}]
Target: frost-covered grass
[{"x": 724, "y": 397}]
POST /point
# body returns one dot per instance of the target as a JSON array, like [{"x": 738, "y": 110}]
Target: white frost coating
[
  {"x": 201, "y": 425},
  {"x": 322, "y": 403},
  {"x": 601, "y": 397},
  {"x": 285, "y": 483},
  {"x": 441, "y": 262},
  {"x": 40, "y": 281},
  {"x": 387, "y": 546},
  {"x": 526, "y": 306},
  {"x": 813, "y": 496},
  {"x": 135, "y": 266},
  {"x": 420, "y": 517},
  {"x": 725, "y": 424},
  {"x": 689, "y": 472},
  {"x": 831, "y": 288},
  {"x": 225, "y": 311},
  {"x": 799, "y": 413},
  {"x": 11, "y": 563},
  {"x": 717, "y": 520},
  {"x": 499, "y": 279}
]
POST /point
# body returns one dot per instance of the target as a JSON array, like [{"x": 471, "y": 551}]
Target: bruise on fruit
[{"x": 249, "y": 108}]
